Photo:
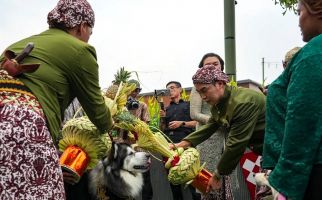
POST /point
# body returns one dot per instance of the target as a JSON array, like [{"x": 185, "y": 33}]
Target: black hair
[
  {"x": 174, "y": 82},
  {"x": 314, "y": 7},
  {"x": 222, "y": 63},
  {"x": 59, "y": 25}
]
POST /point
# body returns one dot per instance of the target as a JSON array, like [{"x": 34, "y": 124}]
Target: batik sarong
[{"x": 29, "y": 166}]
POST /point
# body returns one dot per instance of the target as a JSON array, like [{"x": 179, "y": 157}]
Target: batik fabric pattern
[{"x": 29, "y": 167}]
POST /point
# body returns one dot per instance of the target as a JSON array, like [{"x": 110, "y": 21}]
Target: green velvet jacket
[
  {"x": 294, "y": 122},
  {"x": 68, "y": 69},
  {"x": 242, "y": 112}
]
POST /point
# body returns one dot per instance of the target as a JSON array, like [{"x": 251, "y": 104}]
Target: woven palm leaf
[
  {"x": 122, "y": 94},
  {"x": 82, "y": 132},
  {"x": 111, "y": 105},
  {"x": 186, "y": 169},
  {"x": 150, "y": 142},
  {"x": 146, "y": 138}
]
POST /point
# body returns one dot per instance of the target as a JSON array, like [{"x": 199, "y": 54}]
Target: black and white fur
[{"x": 120, "y": 174}]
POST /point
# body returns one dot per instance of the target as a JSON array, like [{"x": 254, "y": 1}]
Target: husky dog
[{"x": 119, "y": 176}]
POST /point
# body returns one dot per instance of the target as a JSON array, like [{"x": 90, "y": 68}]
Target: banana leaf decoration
[
  {"x": 186, "y": 169},
  {"x": 146, "y": 138},
  {"x": 83, "y": 145},
  {"x": 184, "y": 165}
]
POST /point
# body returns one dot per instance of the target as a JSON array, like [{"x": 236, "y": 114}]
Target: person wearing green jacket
[
  {"x": 292, "y": 145},
  {"x": 240, "y": 110},
  {"x": 32, "y": 104}
]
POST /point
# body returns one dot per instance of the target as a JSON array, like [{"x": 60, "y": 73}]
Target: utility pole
[
  {"x": 230, "y": 44},
  {"x": 263, "y": 72}
]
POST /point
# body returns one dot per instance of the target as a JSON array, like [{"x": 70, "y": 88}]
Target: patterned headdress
[
  {"x": 209, "y": 74},
  {"x": 71, "y": 13}
]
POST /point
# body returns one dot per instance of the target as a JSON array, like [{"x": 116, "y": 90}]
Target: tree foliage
[{"x": 290, "y": 5}]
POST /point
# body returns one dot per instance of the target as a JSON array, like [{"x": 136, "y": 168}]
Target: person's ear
[
  {"x": 82, "y": 28},
  {"x": 220, "y": 84},
  {"x": 78, "y": 30}
]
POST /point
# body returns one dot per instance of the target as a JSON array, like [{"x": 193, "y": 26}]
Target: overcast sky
[{"x": 164, "y": 40}]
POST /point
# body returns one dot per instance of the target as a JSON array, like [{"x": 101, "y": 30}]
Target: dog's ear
[{"x": 113, "y": 164}]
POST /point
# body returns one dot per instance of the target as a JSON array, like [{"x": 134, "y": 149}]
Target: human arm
[
  {"x": 145, "y": 116},
  {"x": 243, "y": 122},
  {"x": 202, "y": 134},
  {"x": 195, "y": 108},
  {"x": 177, "y": 124},
  {"x": 302, "y": 134},
  {"x": 85, "y": 85}
]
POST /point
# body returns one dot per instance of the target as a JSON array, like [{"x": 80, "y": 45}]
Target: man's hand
[
  {"x": 175, "y": 124},
  {"x": 183, "y": 143},
  {"x": 213, "y": 184},
  {"x": 69, "y": 178}
]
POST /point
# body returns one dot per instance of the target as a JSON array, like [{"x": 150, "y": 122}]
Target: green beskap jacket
[
  {"x": 68, "y": 69},
  {"x": 242, "y": 111}
]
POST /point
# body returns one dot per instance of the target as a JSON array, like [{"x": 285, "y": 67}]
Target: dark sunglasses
[{"x": 138, "y": 90}]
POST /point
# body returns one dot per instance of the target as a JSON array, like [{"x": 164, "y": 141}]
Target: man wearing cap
[
  {"x": 240, "y": 110},
  {"x": 141, "y": 111}
]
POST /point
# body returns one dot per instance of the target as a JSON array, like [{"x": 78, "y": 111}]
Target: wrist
[
  {"x": 185, "y": 144},
  {"x": 217, "y": 175},
  {"x": 183, "y": 123}
]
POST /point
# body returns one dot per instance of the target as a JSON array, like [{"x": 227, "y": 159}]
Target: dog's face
[
  {"x": 122, "y": 156},
  {"x": 120, "y": 174}
]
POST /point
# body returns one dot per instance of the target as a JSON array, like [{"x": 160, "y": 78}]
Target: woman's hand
[
  {"x": 213, "y": 184},
  {"x": 183, "y": 143}
]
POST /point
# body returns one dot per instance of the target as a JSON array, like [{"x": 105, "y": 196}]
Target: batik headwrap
[
  {"x": 71, "y": 13},
  {"x": 209, "y": 74}
]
